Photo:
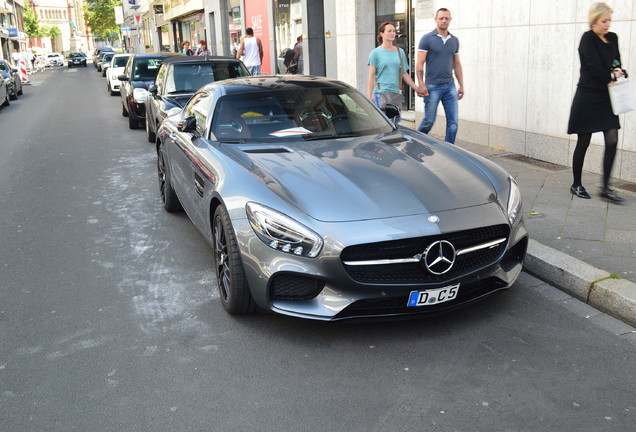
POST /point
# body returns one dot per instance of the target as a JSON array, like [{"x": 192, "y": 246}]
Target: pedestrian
[
  {"x": 439, "y": 49},
  {"x": 298, "y": 55},
  {"x": 202, "y": 50},
  {"x": 388, "y": 67},
  {"x": 186, "y": 48},
  {"x": 591, "y": 108},
  {"x": 15, "y": 56},
  {"x": 251, "y": 49}
]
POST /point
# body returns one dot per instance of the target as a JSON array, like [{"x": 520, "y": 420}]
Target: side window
[{"x": 199, "y": 107}]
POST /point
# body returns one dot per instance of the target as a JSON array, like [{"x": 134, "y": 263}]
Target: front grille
[
  {"x": 397, "y": 305},
  {"x": 417, "y": 272},
  {"x": 294, "y": 287}
]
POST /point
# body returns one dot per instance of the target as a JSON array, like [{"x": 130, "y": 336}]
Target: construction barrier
[{"x": 23, "y": 71}]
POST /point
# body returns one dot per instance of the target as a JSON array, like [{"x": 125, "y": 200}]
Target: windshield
[
  {"x": 310, "y": 113},
  {"x": 109, "y": 56},
  {"x": 191, "y": 77},
  {"x": 120, "y": 61},
  {"x": 72, "y": 55},
  {"x": 147, "y": 69}
]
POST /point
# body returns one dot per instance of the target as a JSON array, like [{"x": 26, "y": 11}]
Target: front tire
[
  {"x": 132, "y": 123},
  {"x": 233, "y": 290},
  {"x": 124, "y": 113},
  {"x": 168, "y": 196}
]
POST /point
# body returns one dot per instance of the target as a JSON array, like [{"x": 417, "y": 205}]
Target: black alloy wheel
[
  {"x": 233, "y": 290},
  {"x": 168, "y": 196},
  {"x": 14, "y": 94}
]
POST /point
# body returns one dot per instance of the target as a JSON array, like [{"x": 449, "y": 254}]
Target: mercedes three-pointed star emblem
[{"x": 439, "y": 257}]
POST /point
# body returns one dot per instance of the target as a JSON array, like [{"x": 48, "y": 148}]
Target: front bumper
[{"x": 323, "y": 288}]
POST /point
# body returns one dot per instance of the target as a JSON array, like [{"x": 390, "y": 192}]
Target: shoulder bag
[{"x": 622, "y": 97}]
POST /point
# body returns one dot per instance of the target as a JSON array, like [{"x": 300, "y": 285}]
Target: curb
[{"x": 597, "y": 288}]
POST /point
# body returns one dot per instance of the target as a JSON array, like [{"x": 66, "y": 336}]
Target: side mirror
[
  {"x": 122, "y": 77},
  {"x": 188, "y": 124},
  {"x": 391, "y": 111},
  {"x": 152, "y": 88}
]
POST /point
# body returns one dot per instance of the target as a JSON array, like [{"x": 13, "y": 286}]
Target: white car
[
  {"x": 55, "y": 59},
  {"x": 117, "y": 65}
]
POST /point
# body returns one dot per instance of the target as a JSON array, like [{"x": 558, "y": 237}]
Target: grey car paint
[{"x": 396, "y": 185}]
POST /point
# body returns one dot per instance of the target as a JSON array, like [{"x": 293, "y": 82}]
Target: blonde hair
[{"x": 597, "y": 10}]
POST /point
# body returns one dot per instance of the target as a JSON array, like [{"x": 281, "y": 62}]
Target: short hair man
[
  {"x": 439, "y": 49},
  {"x": 251, "y": 49}
]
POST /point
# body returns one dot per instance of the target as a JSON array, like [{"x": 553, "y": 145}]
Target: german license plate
[{"x": 434, "y": 296}]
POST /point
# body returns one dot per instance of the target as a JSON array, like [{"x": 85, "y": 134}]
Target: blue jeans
[
  {"x": 447, "y": 94},
  {"x": 254, "y": 70}
]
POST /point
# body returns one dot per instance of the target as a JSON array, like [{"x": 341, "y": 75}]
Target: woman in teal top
[{"x": 384, "y": 69}]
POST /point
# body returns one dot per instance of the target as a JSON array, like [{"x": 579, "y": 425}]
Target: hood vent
[{"x": 268, "y": 150}]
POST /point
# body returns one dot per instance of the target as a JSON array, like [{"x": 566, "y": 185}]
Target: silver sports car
[{"x": 317, "y": 206}]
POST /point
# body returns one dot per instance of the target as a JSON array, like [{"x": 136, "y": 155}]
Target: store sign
[{"x": 13, "y": 32}]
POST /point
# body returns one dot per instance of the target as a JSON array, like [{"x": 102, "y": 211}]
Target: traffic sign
[{"x": 125, "y": 27}]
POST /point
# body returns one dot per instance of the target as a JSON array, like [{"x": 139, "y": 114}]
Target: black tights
[{"x": 583, "y": 142}]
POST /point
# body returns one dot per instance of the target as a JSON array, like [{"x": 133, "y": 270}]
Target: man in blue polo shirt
[{"x": 440, "y": 51}]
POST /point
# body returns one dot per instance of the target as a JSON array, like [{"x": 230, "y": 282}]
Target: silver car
[{"x": 317, "y": 206}]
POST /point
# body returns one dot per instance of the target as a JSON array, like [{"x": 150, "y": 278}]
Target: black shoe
[
  {"x": 610, "y": 195},
  {"x": 580, "y": 192}
]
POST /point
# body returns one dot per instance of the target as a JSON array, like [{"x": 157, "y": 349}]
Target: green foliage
[
  {"x": 100, "y": 17},
  {"x": 31, "y": 23},
  {"x": 54, "y": 32}
]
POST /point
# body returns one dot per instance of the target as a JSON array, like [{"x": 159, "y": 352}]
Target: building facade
[{"x": 520, "y": 63}]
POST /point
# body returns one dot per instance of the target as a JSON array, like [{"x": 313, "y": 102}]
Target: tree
[
  {"x": 32, "y": 25},
  {"x": 100, "y": 17}
]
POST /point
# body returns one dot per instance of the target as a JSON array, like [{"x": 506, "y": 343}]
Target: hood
[{"x": 361, "y": 178}]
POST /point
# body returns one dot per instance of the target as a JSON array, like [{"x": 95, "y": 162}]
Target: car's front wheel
[
  {"x": 124, "y": 113},
  {"x": 14, "y": 95},
  {"x": 233, "y": 290},
  {"x": 168, "y": 195}
]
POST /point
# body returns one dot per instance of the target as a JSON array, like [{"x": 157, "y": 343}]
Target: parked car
[
  {"x": 98, "y": 51},
  {"x": 317, "y": 206},
  {"x": 179, "y": 78},
  {"x": 117, "y": 66},
  {"x": 76, "y": 59},
  {"x": 140, "y": 71},
  {"x": 105, "y": 63},
  {"x": 4, "y": 94},
  {"x": 11, "y": 78},
  {"x": 54, "y": 59}
]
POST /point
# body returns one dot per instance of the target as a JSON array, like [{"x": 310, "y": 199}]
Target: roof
[
  {"x": 277, "y": 82},
  {"x": 199, "y": 59}
]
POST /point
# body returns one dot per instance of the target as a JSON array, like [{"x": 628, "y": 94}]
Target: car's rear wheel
[
  {"x": 6, "y": 101},
  {"x": 123, "y": 111},
  {"x": 233, "y": 290},
  {"x": 168, "y": 195},
  {"x": 21, "y": 91},
  {"x": 150, "y": 135}
]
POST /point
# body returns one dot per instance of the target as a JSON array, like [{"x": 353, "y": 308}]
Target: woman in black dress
[{"x": 591, "y": 109}]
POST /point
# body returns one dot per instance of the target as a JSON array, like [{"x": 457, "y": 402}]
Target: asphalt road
[{"x": 110, "y": 319}]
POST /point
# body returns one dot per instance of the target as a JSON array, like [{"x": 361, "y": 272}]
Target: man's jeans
[
  {"x": 254, "y": 70},
  {"x": 447, "y": 94}
]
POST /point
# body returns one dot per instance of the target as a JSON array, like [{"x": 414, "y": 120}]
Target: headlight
[
  {"x": 140, "y": 95},
  {"x": 514, "y": 201},
  {"x": 281, "y": 232}
]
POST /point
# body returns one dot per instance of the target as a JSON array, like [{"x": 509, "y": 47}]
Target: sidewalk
[{"x": 584, "y": 247}]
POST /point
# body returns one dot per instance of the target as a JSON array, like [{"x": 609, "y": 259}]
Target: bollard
[{"x": 23, "y": 71}]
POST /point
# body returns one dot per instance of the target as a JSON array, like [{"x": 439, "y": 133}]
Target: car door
[
  {"x": 154, "y": 102},
  {"x": 124, "y": 87},
  {"x": 189, "y": 179}
]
